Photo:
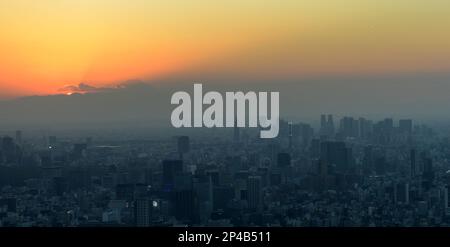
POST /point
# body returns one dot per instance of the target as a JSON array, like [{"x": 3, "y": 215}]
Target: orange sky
[{"x": 48, "y": 44}]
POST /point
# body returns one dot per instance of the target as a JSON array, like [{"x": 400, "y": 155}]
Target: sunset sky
[{"x": 47, "y": 45}]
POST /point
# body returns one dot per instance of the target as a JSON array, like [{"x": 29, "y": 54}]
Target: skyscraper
[
  {"x": 185, "y": 205},
  {"x": 412, "y": 160},
  {"x": 254, "y": 193},
  {"x": 428, "y": 172},
  {"x": 330, "y": 125},
  {"x": 183, "y": 145},
  {"x": 8, "y": 149},
  {"x": 142, "y": 212},
  {"x": 323, "y": 124},
  {"x": 314, "y": 148},
  {"x": 405, "y": 126},
  {"x": 447, "y": 200},
  {"x": 327, "y": 125},
  {"x": 290, "y": 135},
  {"x": 368, "y": 160},
  {"x": 349, "y": 127},
  {"x": 337, "y": 154},
  {"x": 19, "y": 137},
  {"x": 170, "y": 169}
]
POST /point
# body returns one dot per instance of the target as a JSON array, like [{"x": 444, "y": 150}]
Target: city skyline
[{"x": 350, "y": 172}]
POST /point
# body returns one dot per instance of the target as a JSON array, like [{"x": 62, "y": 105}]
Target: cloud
[{"x": 83, "y": 88}]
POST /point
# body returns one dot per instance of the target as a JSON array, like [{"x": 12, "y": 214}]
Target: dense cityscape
[{"x": 347, "y": 172}]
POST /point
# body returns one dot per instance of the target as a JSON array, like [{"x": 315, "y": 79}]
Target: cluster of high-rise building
[{"x": 351, "y": 172}]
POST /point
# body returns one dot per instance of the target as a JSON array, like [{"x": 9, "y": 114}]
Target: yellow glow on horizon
[{"x": 49, "y": 43}]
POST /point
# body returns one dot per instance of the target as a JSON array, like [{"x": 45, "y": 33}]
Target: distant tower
[
  {"x": 19, "y": 137},
  {"x": 330, "y": 125},
  {"x": 183, "y": 144},
  {"x": 323, "y": 124},
  {"x": 290, "y": 135},
  {"x": 428, "y": 172},
  {"x": 405, "y": 126},
  {"x": 8, "y": 149},
  {"x": 389, "y": 125},
  {"x": 412, "y": 157}
]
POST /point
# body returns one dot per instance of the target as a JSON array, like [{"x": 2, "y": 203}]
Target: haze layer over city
[{"x": 86, "y": 137}]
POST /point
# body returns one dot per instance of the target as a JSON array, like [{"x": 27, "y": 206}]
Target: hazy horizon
[
  {"x": 147, "y": 104},
  {"x": 372, "y": 59}
]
